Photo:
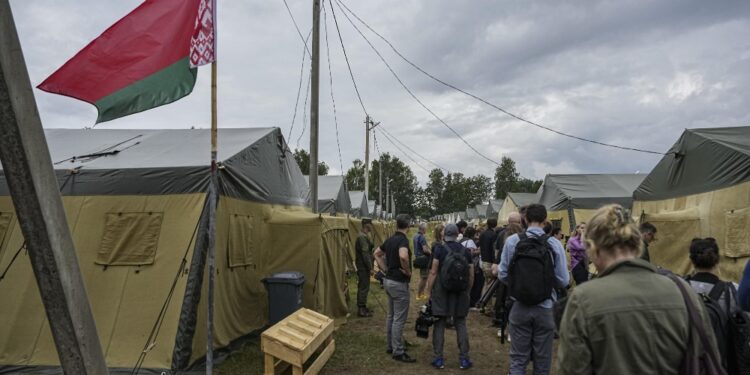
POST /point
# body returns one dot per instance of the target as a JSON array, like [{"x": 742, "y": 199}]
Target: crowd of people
[{"x": 596, "y": 290}]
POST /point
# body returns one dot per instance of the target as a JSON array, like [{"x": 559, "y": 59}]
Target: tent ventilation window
[
  {"x": 130, "y": 238},
  {"x": 240, "y": 242},
  {"x": 5, "y": 220},
  {"x": 737, "y": 233},
  {"x": 557, "y": 223}
]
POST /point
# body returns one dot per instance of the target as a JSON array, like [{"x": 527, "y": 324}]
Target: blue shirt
[
  {"x": 419, "y": 242},
  {"x": 558, "y": 256}
]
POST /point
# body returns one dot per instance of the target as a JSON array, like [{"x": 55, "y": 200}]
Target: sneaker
[
  {"x": 438, "y": 363},
  {"x": 404, "y": 358},
  {"x": 465, "y": 364}
]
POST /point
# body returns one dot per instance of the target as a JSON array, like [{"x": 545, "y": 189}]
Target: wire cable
[
  {"x": 304, "y": 112},
  {"x": 354, "y": 81},
  {"x": 412, "y": 93},
  {"x": 333, "y": 100},
  {"x": 346, "y": 57},
  {"x": 299, "y": 89},
  {"x": 485, "y": 101},
  {"x": 297, "y": 27},
  {"x": 387, "y": 137},
  {"x": 414, "y": 152}
]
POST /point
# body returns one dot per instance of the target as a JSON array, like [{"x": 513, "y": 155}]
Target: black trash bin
[{"x": 284, "y": 294}]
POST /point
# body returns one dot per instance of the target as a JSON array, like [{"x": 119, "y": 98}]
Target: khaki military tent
[
  {"x": 493, "y": 208},
  {"x": 135, "y": 206},
  {"x": 573, "y": 198},
  {"x": 511, "y": 204},
  {"x": 359, "y": 204},
  {"x": 700, "y": 188},
  {"x": 332, "y": 195}
]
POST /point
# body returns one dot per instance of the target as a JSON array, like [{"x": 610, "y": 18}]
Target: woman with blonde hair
[{"x": 631, "y": 319}]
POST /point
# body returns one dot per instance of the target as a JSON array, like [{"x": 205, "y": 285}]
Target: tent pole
[
  {"x": 213, "y": 198},
  {"x": 27, "y": 166}
]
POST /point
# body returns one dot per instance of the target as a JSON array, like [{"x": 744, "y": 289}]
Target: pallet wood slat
[{"x": 295, "y": 339}]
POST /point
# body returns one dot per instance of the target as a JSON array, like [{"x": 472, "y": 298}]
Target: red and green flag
[{"x": 145, "y": 60}]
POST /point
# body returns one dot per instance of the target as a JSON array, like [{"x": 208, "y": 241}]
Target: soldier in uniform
[{"x": 364, "y": 249}]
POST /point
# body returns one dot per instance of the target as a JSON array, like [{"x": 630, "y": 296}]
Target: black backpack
[
  {"x": 454, "y": 270},
  {"x": 732, "y": 328},
  {"x": 531, "y": 274},
  {"x": 719, "y": 318}
]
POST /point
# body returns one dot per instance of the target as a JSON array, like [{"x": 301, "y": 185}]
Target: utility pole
[
  {"x": 380, "y": 183},
  {"x": 368, "y": 126},
  {"x": 387, "y": 195},
  {"x": 314, "y": 81},
  {"x": 27, "y": 166}
]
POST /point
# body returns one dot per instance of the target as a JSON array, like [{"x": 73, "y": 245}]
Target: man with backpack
[
  {"x": 533, "y": 265},
  {"x": 451, "y": 278}
]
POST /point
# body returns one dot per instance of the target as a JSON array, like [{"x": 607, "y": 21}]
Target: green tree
[
  {"x": 303, "y": 160},
  {"x": 433, "y": 192},
  {"x": 506, "y": 178},
  {"x": 403, "y": 183},
  {"x": 478, "y": 189},
  {"x": 355, "y": 176}
]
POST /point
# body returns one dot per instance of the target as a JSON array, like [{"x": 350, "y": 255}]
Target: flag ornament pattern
[
  {"x": 203, "y": 42},
  {"x": 141, "y": 62}
]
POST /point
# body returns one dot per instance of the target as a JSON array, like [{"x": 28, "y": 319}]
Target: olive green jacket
[
  {"x": 630, "y": 320},
  {"x": 363, "y": 249}
]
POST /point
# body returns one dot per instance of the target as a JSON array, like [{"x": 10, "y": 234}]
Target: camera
[{"x": 424, "y": 321}]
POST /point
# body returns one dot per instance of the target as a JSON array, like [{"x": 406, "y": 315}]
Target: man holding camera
[
  {"x": 451, "y": 278},
  {"x": 394, "y": 257}
]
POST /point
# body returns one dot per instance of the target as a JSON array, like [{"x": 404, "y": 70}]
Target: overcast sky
[{"x": 634, "y": 73}]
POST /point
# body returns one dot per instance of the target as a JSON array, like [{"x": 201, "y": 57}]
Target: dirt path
[{"x": 361, "y": 344}]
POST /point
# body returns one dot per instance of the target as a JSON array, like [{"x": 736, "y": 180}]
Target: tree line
[{"x": 443, "y": 192}]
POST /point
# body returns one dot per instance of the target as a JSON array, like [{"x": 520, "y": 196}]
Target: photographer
[{"x": 453, "y": 270}]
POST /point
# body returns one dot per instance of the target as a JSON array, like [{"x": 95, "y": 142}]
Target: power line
[
  {"x": 333, "y": 101},
  {"x": 346, "y": 57},
  {"x": 485, "y": 101},
  {"x": 299, "y": 89},
  {"x": 297, "y": 27},
  {"x": 354, "y": 81},
  {"x": 304, "y": 112},
  {"x": 409, "y": 148},
  {"x": 388, "y": 138},
  {"x": 412, "y": 93}
]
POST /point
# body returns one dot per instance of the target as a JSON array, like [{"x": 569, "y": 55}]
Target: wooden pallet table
[{"x": 292, "y": 341}]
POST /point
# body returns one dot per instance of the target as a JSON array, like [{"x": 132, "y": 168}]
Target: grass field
[{"x": 360, "y": 344}]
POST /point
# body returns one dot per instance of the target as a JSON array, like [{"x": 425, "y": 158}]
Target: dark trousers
[
  {"x": 580, "y": 273},
  {"x": 476, "y": 290},
  {"x": 363, "y": 286}
]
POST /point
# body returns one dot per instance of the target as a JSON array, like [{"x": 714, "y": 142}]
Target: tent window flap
[
  {"x": 130, "y": 238},
  {"x": 240, "y": 241},
  {"x": 737, "y": 233}
]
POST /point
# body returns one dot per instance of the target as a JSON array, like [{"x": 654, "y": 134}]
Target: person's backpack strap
[
  {"x": 522, "y": 236},
  {"x": 695, "y": 320},
  {"x": 717, "y": 290}
]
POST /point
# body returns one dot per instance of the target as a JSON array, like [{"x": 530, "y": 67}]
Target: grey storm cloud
[{"x": 632, "y": 73}]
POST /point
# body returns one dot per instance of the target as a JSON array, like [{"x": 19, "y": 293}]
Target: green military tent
[
  {"x": 700, "y": 188},
  {"x": 573, "y": 198},
  {"x": 135, "y": 202}
]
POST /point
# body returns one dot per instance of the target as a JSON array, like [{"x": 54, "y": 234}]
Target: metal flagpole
[{"x": 213, "y": 196}]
